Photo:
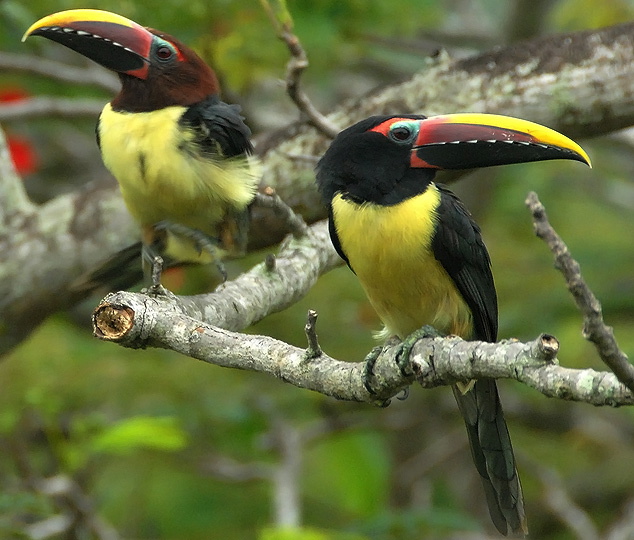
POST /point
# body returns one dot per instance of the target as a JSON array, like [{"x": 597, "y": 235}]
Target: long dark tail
[
  {"x": 493, "y": 455},
  {"x": 121, "y": 271}
]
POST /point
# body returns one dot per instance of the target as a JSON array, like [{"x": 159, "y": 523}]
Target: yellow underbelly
[
  {"x": 162, "y": 175},
  {"x": 389, "y": 248}
]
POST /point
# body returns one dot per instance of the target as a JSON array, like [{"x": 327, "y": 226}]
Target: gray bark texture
[{"x": 579, "y": 84}]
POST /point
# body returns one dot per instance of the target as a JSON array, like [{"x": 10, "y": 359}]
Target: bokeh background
[{"x": 160, "y": 446}]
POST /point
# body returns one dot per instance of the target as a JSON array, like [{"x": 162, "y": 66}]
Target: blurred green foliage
[{"x": 167, "y": 447}]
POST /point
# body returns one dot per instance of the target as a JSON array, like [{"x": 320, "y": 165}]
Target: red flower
[{"x": 20, "y": 148}]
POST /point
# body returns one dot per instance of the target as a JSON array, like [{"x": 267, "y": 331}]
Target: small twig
[
  {"x": 302, "y": 157},
  {"x": 561, "y": 504},
  {"x": 294, "y": 69},
  {"x": 269, "y": 262},
  {"x": 287, "y": 475},
  {"x": 72, "y": 498},
  {"x": 622, "y": 529},
  {"x": 594, "y": 329},
  {"x": 75, "y": 508},
  {"x": 231, "y": 470},
  {"x": 285, "y": 440},
  {"x": 90, "y": 75},
  {"x": 313, "y": 350},
  {"x": 50, "y": 106},
  {"x": 283, "y": 24},
  {"x": 294, "y": 222},
  {"x": 56, "y": 526}
]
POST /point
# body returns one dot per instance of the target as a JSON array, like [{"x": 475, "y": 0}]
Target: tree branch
[
  {"x": 577, "y": 83},
  {"x": 90, "y": 74},
  {"x": 236, "y": 304},
  {"x": 78, "y": 511},
  {"x": 15, "y": 201},
  {"x": 594, "y": 329},
  {"x": 135, "y": 320},
  {"x": 50, "y": 106},
  {"x": 294, "y": 222},
  {"x": 205, "y": 327},
  {"x": 562, "y": 504},
  {"x": 298, "y": 62}
]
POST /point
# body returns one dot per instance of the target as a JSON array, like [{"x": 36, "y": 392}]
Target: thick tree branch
[
  {"x": 43, "y": 249},
  {"x": 199, "y": 327},
  {"x": 237, "y": 304},
  {"x": 594, "y": 329},
  {"x": 15, "y": 201},
  {"x": 134, "y": 320},
  {"x": 577, "y": 83}
]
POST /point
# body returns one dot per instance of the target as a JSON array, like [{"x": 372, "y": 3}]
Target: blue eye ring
[
  {"x": 163, "y": 50},
  {"x": 403, "y": 132}
]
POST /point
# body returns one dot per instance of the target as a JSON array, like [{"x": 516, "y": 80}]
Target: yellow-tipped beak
[
  {"x": 468, "y": 140},
  {"x": 109, "y": 39},
  {"x": 71, "y": 17}
]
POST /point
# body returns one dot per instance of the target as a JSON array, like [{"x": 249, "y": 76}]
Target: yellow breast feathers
[
  {"x": 154, "y": 158},
  {"x": 389, "y": 248}
]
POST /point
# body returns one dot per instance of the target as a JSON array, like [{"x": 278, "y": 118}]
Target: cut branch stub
[
  {"x": 111, "y": 322},
  {"x": 548, "y": 347}
]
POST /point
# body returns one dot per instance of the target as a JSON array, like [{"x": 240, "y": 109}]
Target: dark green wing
[
  {"x": 332, "y": 229},
  {"x": 220, "y": 127},
  {"x": 458, "y": 246}
]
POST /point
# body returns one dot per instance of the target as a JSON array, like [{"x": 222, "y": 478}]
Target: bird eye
[
  {"x": 402, "y": 132},
  {"x": 164, "y": 52}
]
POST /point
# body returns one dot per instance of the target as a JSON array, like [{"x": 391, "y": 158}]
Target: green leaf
[
  {"x": 307, "y": 534},
  {"x": 131, "y": 434}
]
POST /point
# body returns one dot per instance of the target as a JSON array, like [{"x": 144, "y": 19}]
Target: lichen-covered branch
[
  {"x": 205, "y": 327},
  {"x": 237, "y": 304},
  {"x": 43, "y": 249},
  {"x": 594, "y": 329},
  {"x": 578, "y": 83},
  {"x": 140, "y": 321}
]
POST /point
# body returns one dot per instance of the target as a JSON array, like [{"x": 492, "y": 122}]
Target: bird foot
[
  {"x": 156, "y": 264},
  {"x": 402, "y": 356},
  {"x": 157, "y": 271},
  {"x": 202, "y": 242},
  {"x": 368, "y": 376},
  {"x": 156, "y": 289}
]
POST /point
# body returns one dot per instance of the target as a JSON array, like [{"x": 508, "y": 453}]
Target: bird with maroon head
[
  {"x": 181, "y": 156},
  {"x": 420, "y": 256}
]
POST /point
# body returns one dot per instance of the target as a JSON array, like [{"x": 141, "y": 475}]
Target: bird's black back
[{"x": 219, "y": 126}]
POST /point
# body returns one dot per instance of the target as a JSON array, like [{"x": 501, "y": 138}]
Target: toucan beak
[
  {"x": 109, "y": 39},
  {"x": 470, "y": 140}
]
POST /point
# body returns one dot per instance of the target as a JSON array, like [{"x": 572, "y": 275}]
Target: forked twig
[
  {"x": 594, "y": 329},
  {"x": 298, "y": 62}
]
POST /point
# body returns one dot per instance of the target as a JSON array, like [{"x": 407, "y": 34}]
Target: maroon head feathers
[{"x": 176, "y": 75}]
